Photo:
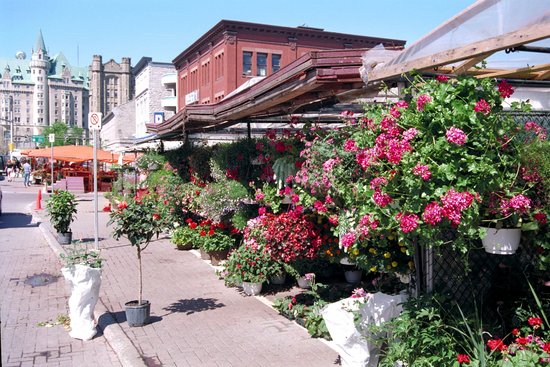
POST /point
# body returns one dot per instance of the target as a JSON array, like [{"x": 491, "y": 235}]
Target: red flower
[
  {"x": 193, "y": 225},
  {"x": 463, "y": 358},
  {"x": 496, "y": 344},
  {"x": 535, "y": 322},
  {"x": 203, "y": 233},
  {"x": 522, "y": 340},
  {"x": 122, "y": 205},
  {"x": 280, "y": 147},
  {"x": 156, "y": 216},
  {"x": 483, "y": 107},
  {"x": 540, "y": 217},
  {"x": 505, "y": 89},
  {"x": 442, "y": 79},
  {"x": 211, "y": 232},
  {"x": 515, "y": 332},
  {"x": 546, "y": 347}
]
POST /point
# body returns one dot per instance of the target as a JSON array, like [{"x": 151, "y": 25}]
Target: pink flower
[
  {"x": 350, "y": 146},
  {"x": 409, "y": 134},
  {"x": 539, "y": 130},
  {"x": 505, "y": 89},
  {"x": 294, "y": 198},
  {"x": 348, "y": 240},
  {"x": 442, "y": 78},
  {"x": 319, "y": 206},
  {"x": 358, "y": 293},
  {"x": 421, "y": 101},
  {"x": 483, "y": 107},
  {"x": 381, "y": 199},
  {"x": 394, "y": 112},
  {"x": 333, "y": 219},
  {"x": 432, "y": 213},
  {"x": 422, "y": 171},
  {"x": 377, "y": 182},
  {"x": 261, "y": 210},
  {"x": 408, "y": 222},
  {"x": 309, "y": 276},
  {"x": 329, "y": 164},
  {"x": 401, "y": 104},
  {"x": 456, "y": 136},
  {"x": 259, "y": 195},
  {"x": 520, "y": 203},
  {"x": 454, "y": 203}
]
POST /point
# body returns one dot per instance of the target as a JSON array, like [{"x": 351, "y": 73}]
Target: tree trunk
[{"x": 140, "y": 274}]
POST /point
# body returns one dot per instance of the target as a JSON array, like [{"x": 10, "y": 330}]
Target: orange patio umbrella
[{"x": 76, "y": 153}]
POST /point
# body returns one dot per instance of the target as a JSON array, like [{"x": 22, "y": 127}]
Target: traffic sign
[
  {"x": 38, "y": 138},
  {"x": 51, "y": 138},
  {"x": 94, "y": 120}
]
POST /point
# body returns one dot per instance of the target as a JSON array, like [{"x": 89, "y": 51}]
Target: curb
[{"x": 122, "y": 345}]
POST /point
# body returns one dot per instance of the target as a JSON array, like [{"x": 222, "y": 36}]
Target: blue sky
[{"x": 162, "y": 29}]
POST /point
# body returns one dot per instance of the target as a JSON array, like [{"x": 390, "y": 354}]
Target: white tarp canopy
[{"x": 481, "y": 32}]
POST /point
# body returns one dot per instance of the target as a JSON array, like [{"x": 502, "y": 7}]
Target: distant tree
[{"x": 64, "y": 135}]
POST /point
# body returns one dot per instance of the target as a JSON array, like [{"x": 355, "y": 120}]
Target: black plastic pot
[
  {"x": 138, "y": 314},
  {"x": 64, "y": 238}
]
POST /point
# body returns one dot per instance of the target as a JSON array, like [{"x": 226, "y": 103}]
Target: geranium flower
[
  {"x": 381, "y": 199},
  {"x": 432, "y": 213},
  {"x": 408, "y": 222},
  {"x": 442, "y": 78},
  {"x": 358, "y": 293},
  {"x": 261, "y": 210},
  {"x": 505, "y": 89},
  {"x": 483, "y": 107},
  {"x": 463, "y": 359},
  {"x": 456, "y": 136},
  {"x": 496, "y": 344},
  {"x": 421, "y": 101},
  {"x": 422, "y": 171},
  {"x": 348, "y": 240},
  {"x": 535, "y": 322},
  {"x": 350, "y": 146}
]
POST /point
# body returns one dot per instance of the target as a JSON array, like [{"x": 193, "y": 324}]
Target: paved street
[{"x": 197, "y": 321}]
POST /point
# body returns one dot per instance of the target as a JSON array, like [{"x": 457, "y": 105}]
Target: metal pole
[
  {"x": 51, "y": 163},
  {"x": 96, "y": 224}
]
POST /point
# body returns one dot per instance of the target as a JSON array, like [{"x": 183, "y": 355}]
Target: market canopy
[{"x": 77, "y": 153}]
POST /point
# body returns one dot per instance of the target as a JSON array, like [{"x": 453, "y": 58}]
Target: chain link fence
[{"x": 479, "y": 279}]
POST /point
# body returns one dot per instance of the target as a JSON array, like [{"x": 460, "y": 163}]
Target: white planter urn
[
  {"x": 503, "y": 241},
  {"x": 252, "y": 288},
  {"x": 85, "y": 282}
]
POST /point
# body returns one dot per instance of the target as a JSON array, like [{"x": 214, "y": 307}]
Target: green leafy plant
[
  {"x": 217, "y": 241},
  {"x": 138, "y": 220},
  {"x": 184, "y": 237},
  {"x": 61, "y": 208},
  {"x": 78, "y": 253},
  {"x": 249, "y": 264}
]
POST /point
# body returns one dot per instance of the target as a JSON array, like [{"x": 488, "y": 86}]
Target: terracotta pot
[{"x": 217, "y": 256}]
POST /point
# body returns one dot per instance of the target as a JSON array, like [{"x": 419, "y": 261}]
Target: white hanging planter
[
  {"x": 504, "y": 241},
  {"x": 252, "y": 288},
  {"x": 85, "y": 283}
]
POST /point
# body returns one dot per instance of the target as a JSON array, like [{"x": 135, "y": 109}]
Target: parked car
[
  {"x": 3, "y": 165},
  {"x": 0, "y": 200}
]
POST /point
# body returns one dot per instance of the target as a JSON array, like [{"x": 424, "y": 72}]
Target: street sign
[
  {"x": 51, "y": 138},
  {"x": 38, "y": 138},
  {"x": 158, "y": 117},
  {"x": 94, "y": 120}
]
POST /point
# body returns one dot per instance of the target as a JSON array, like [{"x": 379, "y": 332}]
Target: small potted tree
[
  {"x": 138, "y": 220},
  {"x": 61, "y": 208}
]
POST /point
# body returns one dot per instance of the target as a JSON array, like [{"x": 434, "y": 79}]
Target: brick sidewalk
[
  {"x": 27, "y": 301},
  {"x": 196, "y": 320}
]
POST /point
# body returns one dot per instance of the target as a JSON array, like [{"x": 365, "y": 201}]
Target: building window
[
  {"x": 247, "y": 63},
  {"x": 218, "y": 66},
  {"x": 261, "y": 64}
]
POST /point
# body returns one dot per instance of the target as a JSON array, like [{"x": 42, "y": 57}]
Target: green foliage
[
  {"x": 137, "y": 220},
  {"x": 537, "y": 156},
  {"x": 220, "y": 199},
  {"x": 233, "y": 159},
  {"x": 151, "y": 161},
  {"x": 78, "y": 253},
  {"x": 283, "y": 168},
  {"x": 61, "y": 208},
  {"x": 249, "y": 264},
  {"x": 191, "y": 161},
  {"x": 217, "y": 241},
  {"x": 184, "y": 237},
  {"x": 64, "y": 135}
]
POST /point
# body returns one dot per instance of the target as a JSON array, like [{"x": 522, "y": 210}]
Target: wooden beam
[
  {"x": 522, "y": 36},
  {"x": 466, "y": 65},
  {"x": 512, "y": 72},
  {"x": 543, "y": 75}
]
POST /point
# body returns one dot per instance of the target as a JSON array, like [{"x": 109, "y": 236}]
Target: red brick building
[{"x": 233, "y": 52}]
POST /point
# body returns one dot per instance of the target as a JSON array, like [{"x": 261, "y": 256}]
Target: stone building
[
  {"x": 111, "y": 84},
  {"x": 154, "y": 96},
  {"x": 36, "y": 93}
]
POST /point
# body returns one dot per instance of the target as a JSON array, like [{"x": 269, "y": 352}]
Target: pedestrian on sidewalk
[
  {"x": 26, "y": 174},
  {"x": 10, "y": 170}
]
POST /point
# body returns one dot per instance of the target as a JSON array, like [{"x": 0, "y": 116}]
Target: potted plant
[
  {"x": 185, "y": 236},
  {"x": 82, "y": 269},
  {"x": 251, "y": 265},
  {"x": 138, "y": 220},
  {"x": 214, "y": 240},
  {"x": 61, "y": 208}
]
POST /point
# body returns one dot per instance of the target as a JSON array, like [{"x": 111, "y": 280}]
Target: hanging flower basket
[{"x": 504, "y": 241}]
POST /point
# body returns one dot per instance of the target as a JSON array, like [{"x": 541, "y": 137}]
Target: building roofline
[{"x": 225, "y": 25}]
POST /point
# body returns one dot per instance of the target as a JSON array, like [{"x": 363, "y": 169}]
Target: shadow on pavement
[
  {"x": 110, "y": 318},
  {"x": 16, "y": 220},
  {"x": 190, "y": 306}
]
